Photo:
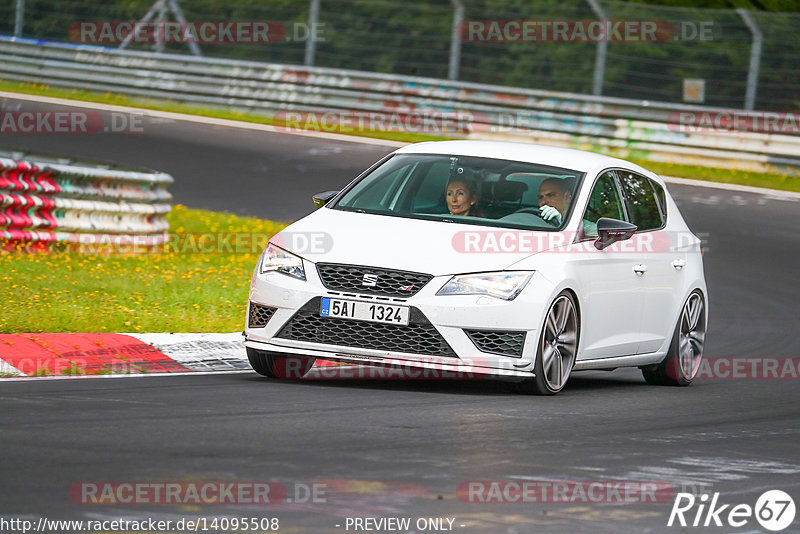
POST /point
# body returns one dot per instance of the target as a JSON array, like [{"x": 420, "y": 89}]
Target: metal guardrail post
[
  {"x": 19, "y": 18},
  {"x": 455, "y": 40},
  {"x": 150, "y": 14},
  {"x": 160, "y": 43},
  {"x": 313, "y": 21},
  {"x": 755, "y": 59},
  {"x": 602, "y": 49},
  {"x": 178, "y": 12},
  {"x": 162, "y": 7}
]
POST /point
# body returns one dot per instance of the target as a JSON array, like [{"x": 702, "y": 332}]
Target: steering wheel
[
  {"x": 538, "y": 213},
  {"x": 534, "y": 211}
]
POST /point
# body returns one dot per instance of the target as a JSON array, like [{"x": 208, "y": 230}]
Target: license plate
[{"x": 364, "y": 311}]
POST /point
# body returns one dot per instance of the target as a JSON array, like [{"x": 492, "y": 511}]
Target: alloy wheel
[
  {"x": 691, "y": 336},
  {"x": 559, "y": 342}
]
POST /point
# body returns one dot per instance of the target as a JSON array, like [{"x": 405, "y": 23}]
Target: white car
[{"x": 486, "y": 259}]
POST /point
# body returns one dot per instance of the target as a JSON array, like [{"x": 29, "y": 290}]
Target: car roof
[{"x": 568, "y": 158}]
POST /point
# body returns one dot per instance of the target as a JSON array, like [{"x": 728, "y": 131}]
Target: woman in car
[{"x": 462, "y": 198}]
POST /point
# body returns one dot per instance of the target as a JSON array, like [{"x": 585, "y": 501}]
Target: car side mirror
[
  {"x": 609, "y": 231},
  {"x": 320, "y": 199}
]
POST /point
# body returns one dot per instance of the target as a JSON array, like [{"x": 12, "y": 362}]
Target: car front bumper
[{"x": 451, "y": 316}]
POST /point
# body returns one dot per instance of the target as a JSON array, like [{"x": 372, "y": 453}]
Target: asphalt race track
[{"x": 380, "y": 448}]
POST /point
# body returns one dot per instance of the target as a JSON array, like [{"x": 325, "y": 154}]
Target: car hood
[{"x": 433, "y": 247}]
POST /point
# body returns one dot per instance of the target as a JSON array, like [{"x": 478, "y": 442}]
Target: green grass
[
  {"x": 770, "y": 180},
  {"x": 192, "y": 286}
]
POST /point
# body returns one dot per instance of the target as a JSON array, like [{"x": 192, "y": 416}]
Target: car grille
[
  {"x": 389, "y": 282},
  {"x": 498, "y": 341},
  {"x": 259, "y": 315},
  {"x": 418, "y": 337}
]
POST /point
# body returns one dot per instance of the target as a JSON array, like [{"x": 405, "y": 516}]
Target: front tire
[
  {"x": 557, "y": 349},
  {"x": 276, "y": 365},
  {"x": 686, "y": 349}
]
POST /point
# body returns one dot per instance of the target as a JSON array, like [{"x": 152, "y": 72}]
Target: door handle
[
  {"x": 640, "y": 269},
  {"x": 679, "y": 264}
]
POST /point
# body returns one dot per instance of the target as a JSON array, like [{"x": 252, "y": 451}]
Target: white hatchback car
[{"x": 486, "y": 259}]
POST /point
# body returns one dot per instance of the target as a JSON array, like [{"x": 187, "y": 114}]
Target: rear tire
[
  {"x": 686, "y": 349},
  {"x": 277, "y": 365},
  {"x": 557, "y": 348}
]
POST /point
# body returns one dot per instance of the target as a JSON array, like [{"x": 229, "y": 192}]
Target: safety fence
[
  {"x": 741, "y": 58},
  {"x": 330, "y": 99},
  {"x": 46, "y": 203}
]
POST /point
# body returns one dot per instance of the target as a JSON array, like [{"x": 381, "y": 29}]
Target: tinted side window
[
  {"x": 662, "y": 199},
  {"x": 640, "y": 198},
  {"x": 604, "y": 201}
]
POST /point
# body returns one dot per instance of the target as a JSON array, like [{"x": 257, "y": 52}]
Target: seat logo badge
[{"x": 370, "y": 280}]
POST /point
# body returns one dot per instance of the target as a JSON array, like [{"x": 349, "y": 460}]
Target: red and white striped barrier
[{"x": 43, "y": 202}]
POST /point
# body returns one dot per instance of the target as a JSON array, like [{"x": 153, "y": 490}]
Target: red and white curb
[
  {"x": 70, "y": 355},
  {"x": 64, "y": 356}
]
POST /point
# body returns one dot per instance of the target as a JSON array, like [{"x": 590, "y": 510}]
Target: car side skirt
[{"x": 619, "y": 361}]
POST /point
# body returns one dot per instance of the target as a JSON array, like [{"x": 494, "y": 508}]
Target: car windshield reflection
[{"x": 466, "y": 189}]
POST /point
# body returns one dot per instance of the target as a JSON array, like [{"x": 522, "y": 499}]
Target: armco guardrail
[
  {"x": 45, "y": 202},
  {"x": 626, "y": 128}
]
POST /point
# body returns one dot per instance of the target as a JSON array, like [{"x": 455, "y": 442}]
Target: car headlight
[
  {"x": 503, "y": 285},
  {"x": 277, "y": 259}
]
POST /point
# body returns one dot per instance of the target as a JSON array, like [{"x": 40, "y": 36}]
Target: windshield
[{"x": 465, "y": 189}]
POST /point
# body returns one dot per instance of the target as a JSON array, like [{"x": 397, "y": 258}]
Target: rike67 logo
[{"x": 774, "y": 510}]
